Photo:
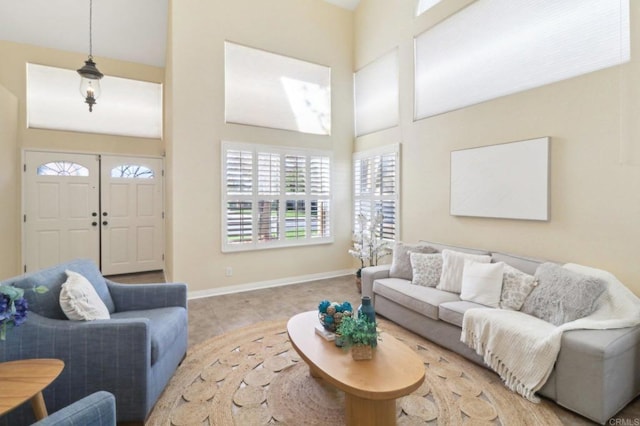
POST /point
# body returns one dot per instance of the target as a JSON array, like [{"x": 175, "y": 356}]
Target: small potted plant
[{"x": 360, "y": 335}]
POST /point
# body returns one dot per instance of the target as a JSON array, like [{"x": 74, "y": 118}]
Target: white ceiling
[{"x": 129, "y": 30}]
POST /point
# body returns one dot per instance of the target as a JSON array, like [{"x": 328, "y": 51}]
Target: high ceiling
[{"x": 129, "y": 30}]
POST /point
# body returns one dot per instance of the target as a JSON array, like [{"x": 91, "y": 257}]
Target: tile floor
[{"x": 212, "y": 316}]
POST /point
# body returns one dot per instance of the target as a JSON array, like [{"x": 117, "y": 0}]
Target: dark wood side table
[{"x": 24, "y": 380}]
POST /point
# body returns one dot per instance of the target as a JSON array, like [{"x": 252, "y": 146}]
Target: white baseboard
[{"x": 266, "y": 284}]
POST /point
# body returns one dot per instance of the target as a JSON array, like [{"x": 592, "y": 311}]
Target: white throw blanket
[{"x": 523, "y": 349}]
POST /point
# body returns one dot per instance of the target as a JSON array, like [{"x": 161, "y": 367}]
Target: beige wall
[
  {"x": 595, "y": 159},
  {"x": 9, "y": 221},
  {"x": 310, "y": 30},
  {"x": 13, "y": 78}
]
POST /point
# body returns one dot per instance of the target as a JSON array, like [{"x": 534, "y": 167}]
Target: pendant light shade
[{"x": 89, "y": 73}]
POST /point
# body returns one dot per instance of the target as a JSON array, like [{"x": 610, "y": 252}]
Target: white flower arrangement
[{"x": 367, "y": 246}]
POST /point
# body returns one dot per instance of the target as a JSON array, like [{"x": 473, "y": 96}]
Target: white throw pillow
[
  {"x": 482, "y": 283},
  {"x": 80, "y": 301},
  {"x": 427, "y": 268},
  {"x": 452, "y": 267}
]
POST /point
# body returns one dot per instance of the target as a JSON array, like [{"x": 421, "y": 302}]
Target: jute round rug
[{"x": 252, "y": 376}]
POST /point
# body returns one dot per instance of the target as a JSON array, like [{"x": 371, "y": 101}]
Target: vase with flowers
[
  {"x": 368, "y": 246},
  {"x": 13, "y": 307}
]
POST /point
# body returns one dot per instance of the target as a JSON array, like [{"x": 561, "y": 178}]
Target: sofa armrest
[
  {"x": 134, "y": 297},
  {"x": 112, "y": 342},
  {"x": 97, "y": 409},
  {"x": 370, "y": 274}
]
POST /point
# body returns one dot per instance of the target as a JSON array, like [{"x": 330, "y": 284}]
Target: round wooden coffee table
[
  {"x": 24, "y": 380},
  {"x": 371, "y": 387}
]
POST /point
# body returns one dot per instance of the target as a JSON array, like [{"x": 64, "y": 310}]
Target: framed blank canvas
[{"x": 509, "y": 180}]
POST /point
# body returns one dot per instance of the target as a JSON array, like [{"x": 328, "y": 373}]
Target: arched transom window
[
  {"x": 62, "y": 168},
  {"x": 132, "y": 171}
]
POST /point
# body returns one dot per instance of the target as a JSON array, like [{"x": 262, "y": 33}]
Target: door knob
[
  {"x": 105, "y": 223},
  {"x": 104, "y": 213},
  {"x": 94, "y": 223},
  {"x": 94, "y": 214}
]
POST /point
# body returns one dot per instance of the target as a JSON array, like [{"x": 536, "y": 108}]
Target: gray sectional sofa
[{"x": 597, "y": 372}]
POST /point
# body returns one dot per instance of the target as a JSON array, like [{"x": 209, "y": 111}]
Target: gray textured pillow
[
  {"x": 427, "y": 268},
  {"x": 562, "y": 295},
  {"x": 401, "y": 264},
  {"x": 516, "y": 286}
]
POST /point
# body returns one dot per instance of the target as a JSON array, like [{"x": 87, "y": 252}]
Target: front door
[
  {"x": 61, "y": 208},
  {"x": 106, "y": 208},
  {"x": 132, "y": 214}
]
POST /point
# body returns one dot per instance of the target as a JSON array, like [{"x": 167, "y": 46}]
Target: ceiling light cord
[{"x": 90, "y": 29}]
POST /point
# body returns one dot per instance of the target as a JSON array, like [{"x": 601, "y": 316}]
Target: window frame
[
  {"x": 372, "y": 154},
  {"x": 255, "y": 197}
]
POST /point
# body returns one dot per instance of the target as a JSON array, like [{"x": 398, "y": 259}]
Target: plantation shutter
[
  {"x": 269, "y": 181},
  {"x": 320, "y": 183},
  {"x": 274, "y": 196},
  {"x": 376, "y": 189},
  {"x": 239, "y": 179}
]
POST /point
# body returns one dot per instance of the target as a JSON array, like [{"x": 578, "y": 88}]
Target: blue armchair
[
  {"x": 97, "y": 409},
  {"x": 132, "y": 355}
]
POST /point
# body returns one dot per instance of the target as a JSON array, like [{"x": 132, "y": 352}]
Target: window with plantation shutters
[
  {"x": 275, "y": 196},
  {"x": 376, "y": 188}
]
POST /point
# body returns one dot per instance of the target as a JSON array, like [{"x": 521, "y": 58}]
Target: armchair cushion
[
  {"x": 47, "y": 304},
  {"x": 165, "y": 325}
]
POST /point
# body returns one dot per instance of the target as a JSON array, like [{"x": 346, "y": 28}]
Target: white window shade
[
  {"x": 126, "y": 107},
  {"x": 269, "y": 90},
  {"x": 499, "y": 47},
  {"x": 376, "y": 95}
]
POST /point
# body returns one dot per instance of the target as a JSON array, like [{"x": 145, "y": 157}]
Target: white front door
[
  {"x": 132, "y": 214},
  {"x": 106, "y": 208},
  {"x": 61, "y": 208}
]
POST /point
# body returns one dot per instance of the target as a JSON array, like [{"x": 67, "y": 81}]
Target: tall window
[
  {"x": 274, "y": 196},
  {"x": 376, "y": 184}
]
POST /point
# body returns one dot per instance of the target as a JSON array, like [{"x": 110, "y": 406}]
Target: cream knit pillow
[
  {"x": 80, "y": 301},
  {"x": 452, "y": 267}
]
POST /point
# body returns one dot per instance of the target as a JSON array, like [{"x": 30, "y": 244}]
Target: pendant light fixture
[{"x": 90, "y": 82}]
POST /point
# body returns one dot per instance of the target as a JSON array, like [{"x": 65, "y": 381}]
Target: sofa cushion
[
  {"x": 424, "y": 300},
  {"x": 427, "y": 268},
  {"x": 165, "y": 325},
  {"x": 453, "y": 312},
  {"x": 48, "y": 304},
  {"x": 401, "y": 263},
  {"x": 562, "y": 295},
  {"x": 452, "y": 267},
  {"x": 482, "y": 283},
  {"x": 79, "y": 300},
  {"x": 516, "y": 286}
]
